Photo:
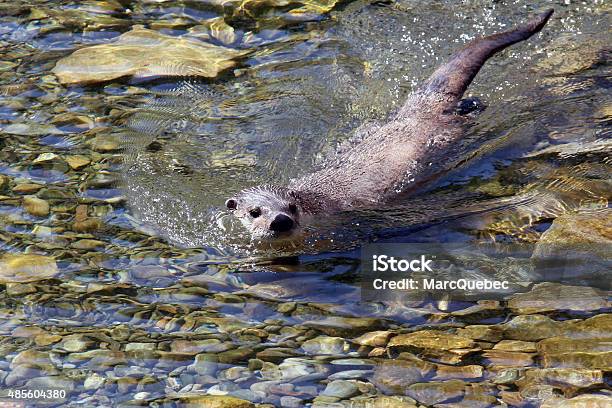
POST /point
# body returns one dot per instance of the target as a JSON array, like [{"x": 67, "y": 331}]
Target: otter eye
[
  {"x": 231, "y": 204},
  {"x": 255, "y": 212},
  {"x": 293, "y": 208}
]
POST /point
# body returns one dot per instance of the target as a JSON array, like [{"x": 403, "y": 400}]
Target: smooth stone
[
  {"x": 324, "y": 345},
  {"x": 205, "y": 364},
  {"x": 508, "y": 358},
  {"x": 581, "y": 401},
  {"x": 76, "y": 343},
  {"x": 276, "y": 354},
  {"x": 294, "y": 368},
  {"x": 26, "y": 268},
  {"x": 383, "y": 401},
  {"x": 345, "y": 326},
  {"x": 430, "y": 339},
  {"x": 20, "y": 289},
  {"x": 200, "y": 346},
  {"x": 4, "y": 182},
  {"x": 215, "y": 28},
  {"x": 353, "y": 362},
  {"x": 507, "y": 375},
  {"x": 235, "y": 356},
  {"x": 546, "y": 297},
  {"x": 87, "y": 225},
  {"x": 377, "y": 338},
  {"x": 585, "y": 236},
  {"x": 395, "y": 376},
  {"x": 351, "y": 375},
  {"x": 286, "y": 308},
  {"x": 578, "y": 360},
  {"x": 482, "y": 308},
  {"x": 94, "y": 382},
  {"x": 433, "y": 392},
  {"x": 27, "y": 188},
  {"x": 77, "y": 162},
  {"x": 288, "y": 401},
  {"x": 270, "y": 371},
  {"x": 566, "y": 379},
  {"x": 141, "y": 396},
  {"x": 247, "y": 395},
  {"x": 235, "y": 373},
  {"x": 35, "y": 206},
  {"x": 31, "y": 129},
  {"x": 481, "y": 332},
  {"x": 223, "y": 388},
  {"x": 213, "y": 401},
  {"x": 45, "y": 157},
  {"x": 144, "y": 53},
  {"x": 27, "y": 331},
  {"x": 21, "y": 373},
  {"x": 558, "y": 345},
  {"x": 47, "y": 339},
  {"x": 516, "y": 345},
  {"x": 140, "y": 346},
  {"x": 33, "y": 358},
  {"x": 99, "y": 359},
  {"x": 263, "y": 387},
  {"x": 533, "y": 328},
  {"x": 341, "y": 389},
  {"x": 87, "y": 244},
  {"x": 255, "y": 364},
  {"x": 444, "y": 372},
  {"x": 105, "y": 143}
]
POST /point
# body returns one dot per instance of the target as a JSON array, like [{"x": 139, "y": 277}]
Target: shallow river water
[{"x": 123, "y": 282}]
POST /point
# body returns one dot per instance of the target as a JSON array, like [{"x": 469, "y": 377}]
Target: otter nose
[{"x": 281, "y": 223}]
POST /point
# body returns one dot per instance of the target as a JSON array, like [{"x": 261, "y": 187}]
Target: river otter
[{"x": 414, "y": 147}]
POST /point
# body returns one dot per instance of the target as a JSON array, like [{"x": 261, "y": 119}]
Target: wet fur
[{"x": 414, "y": 147}]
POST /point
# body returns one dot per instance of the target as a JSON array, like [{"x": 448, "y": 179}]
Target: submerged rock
[
  {"x": 508, "y": 358},
  {"x": 144, "y": 53},
  {"x": 444, "y": 347},
  {"x": 36, "y": 206},
  {"x": 434, "y": 392},
  {"x": 533, "y": 328},
  {"x": 547, "y": 297},
  {"x": 394, "y": 376},
  {"x": 345, "y": 326},
  {"x": 566, "y": 57},
  {"x": 563, "y": 378},
  {"x": 581, "y": 401},
  {"x": 377, "y": 338},
  {"x": 430, "y": 339},
  {"x": 324, "y": 345},
  {"x": 77, "y": 162},
  {"x": 341, "y": 389},
  {"x": 515, "y": 345},
  {"x": 26, "y": 268},
  {"x": 31, "y": 129},
  {"x": 591, "y": 353},
  {"x": 576, "y": 245},
  {"x": 213, "y": 401}
]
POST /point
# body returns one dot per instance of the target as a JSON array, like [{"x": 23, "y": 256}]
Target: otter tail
[{"x": 453, "y": 78}]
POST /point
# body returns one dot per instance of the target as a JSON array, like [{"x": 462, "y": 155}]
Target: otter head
[{"x": 269, "y": 213}]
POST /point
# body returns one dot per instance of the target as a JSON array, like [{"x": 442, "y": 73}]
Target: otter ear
[{"x": 231, "y": 204}]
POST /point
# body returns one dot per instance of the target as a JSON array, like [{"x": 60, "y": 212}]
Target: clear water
[{"x": 170, "y": 255}]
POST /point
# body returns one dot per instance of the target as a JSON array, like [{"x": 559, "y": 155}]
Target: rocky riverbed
[{"x": 119, "y": 288}]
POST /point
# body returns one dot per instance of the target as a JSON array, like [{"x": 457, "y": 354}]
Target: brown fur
[{"x": 414, "y": 147}]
